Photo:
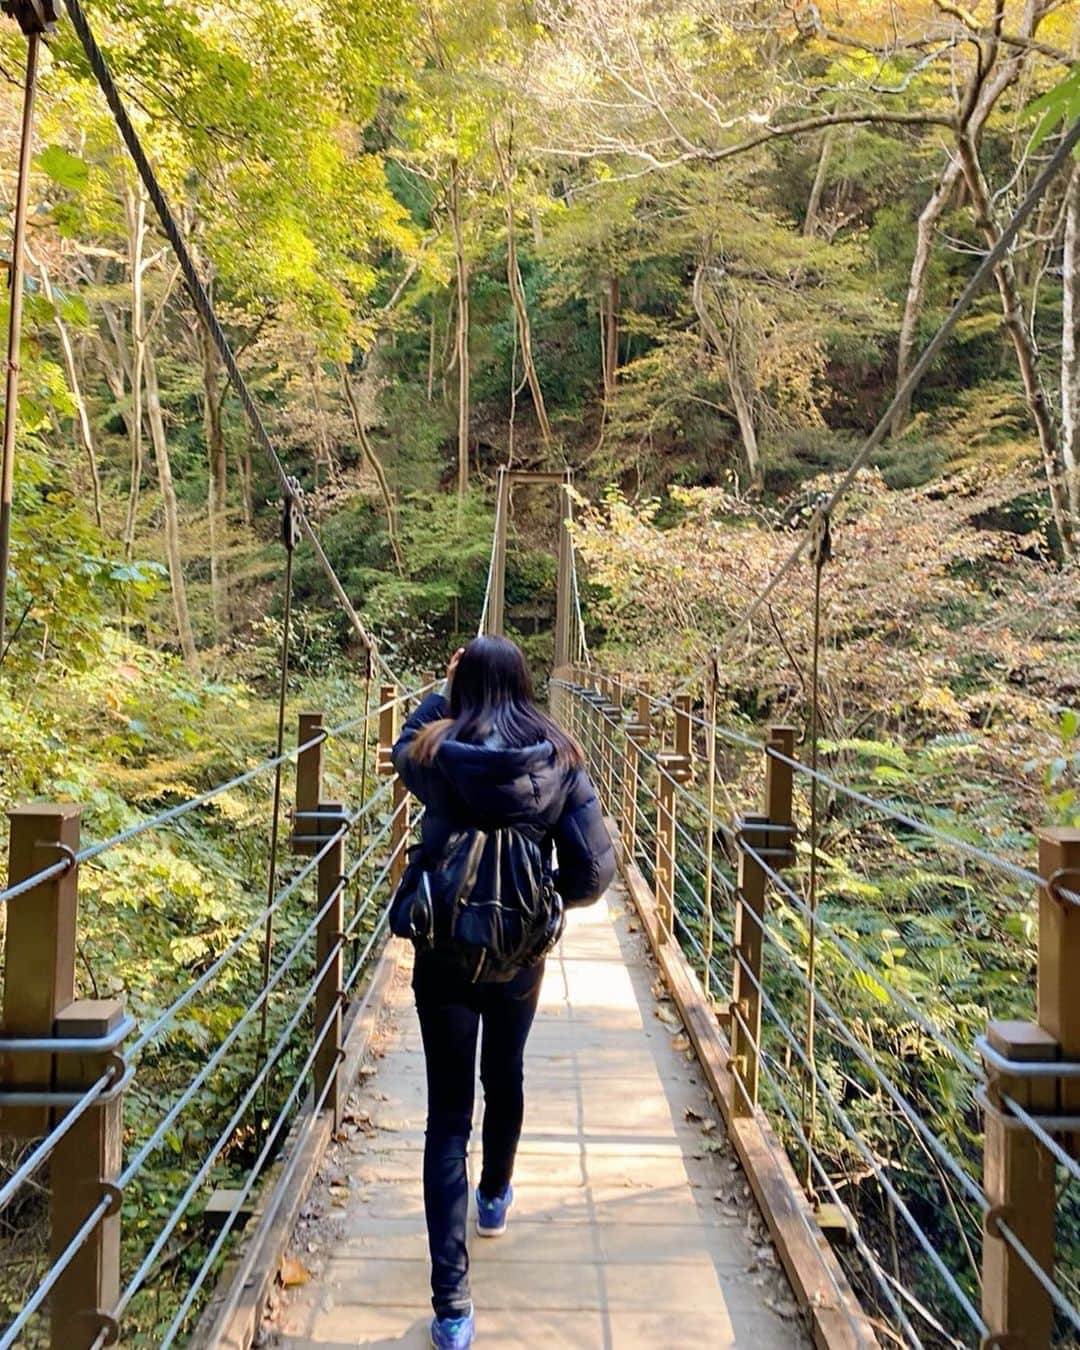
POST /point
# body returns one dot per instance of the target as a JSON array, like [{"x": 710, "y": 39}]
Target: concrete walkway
[{"x": 632, "y": 1225}]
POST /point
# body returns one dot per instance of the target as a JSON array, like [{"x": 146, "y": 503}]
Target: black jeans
[{"x": 451, "y": 1011}]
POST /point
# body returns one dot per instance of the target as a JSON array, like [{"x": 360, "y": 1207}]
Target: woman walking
[{"x": 487, "y": 763}]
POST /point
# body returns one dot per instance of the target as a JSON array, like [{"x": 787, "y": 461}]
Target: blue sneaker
[
  {"x": 453, "y": 1333},
  {"x": 491, "y": 1214}
]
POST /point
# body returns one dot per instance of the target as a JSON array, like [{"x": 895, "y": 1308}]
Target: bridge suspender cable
[{"x": 204, "y": 307}]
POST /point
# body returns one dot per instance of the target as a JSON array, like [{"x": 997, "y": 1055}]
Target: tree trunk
[
  {"x": 160, "y": 441},
  {"x": 431, "y": 354},
  {"x": 517, "y": 296},
  {"x": 611, "y": 337},
  {"x": 727, "y": 346},
  {"x": 1070, "y": 345},
  {"x": 813, "y": 206},
  {"x": 1026, "y": 354},
  {"x": 744, "y": 414},
  {"x": 462, "y": 345},
  {"x": 218, "y": 467},
  {"x": 82, "y": 415},
  {"x": 1005, "y": 75},
  {"x": 246, "y": 502},
  {"x": 368, "y": 450},
  {"x": 324, "y": 455},
  {"x": 135, "y": 212}
]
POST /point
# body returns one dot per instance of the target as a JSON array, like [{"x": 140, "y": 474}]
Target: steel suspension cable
[
  {"x": 365, "y": 751},
  {"x": 822, "y": 548},
  {"x": 275, "y": 809},
  {"x": 172, "y": 1222},
  {"x": 575, "y": 590},
  {"x": 491, "y": 563},
  {"x": 710, "y": 814},
  {"x": 830, "y": 1186}
]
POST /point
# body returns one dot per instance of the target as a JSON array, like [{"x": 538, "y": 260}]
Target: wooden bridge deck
[{"x": 632, "y": 1224}]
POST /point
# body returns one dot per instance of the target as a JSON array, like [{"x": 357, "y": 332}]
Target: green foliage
[{"x": 1057, "y": 105}]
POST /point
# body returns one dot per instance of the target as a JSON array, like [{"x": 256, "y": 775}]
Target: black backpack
[{"x": 487, "y": 901}]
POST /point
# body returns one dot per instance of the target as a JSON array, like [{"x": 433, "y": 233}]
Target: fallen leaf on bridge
[{"x": 294, "y": 1273}]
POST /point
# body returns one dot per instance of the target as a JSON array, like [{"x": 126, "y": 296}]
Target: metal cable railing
[
  {"x": 172, "y": 814},
  {"x": 842, "y": 1062},
  {"x": 288, "y": 991},
  {"x": 882, "y": 807}
]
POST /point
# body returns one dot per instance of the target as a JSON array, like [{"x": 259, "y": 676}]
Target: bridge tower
[{"x": 495, "y": 620}]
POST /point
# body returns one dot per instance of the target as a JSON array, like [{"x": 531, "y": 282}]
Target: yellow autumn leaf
[{"x": 294, "y": 1273}]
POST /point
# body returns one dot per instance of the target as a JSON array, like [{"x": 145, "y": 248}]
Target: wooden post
[
  {"x": 1018, "y": 1171},
  {"x": 637, "y": 735},
  {"x": 39, "y": 1001},
  {"x": 1018, "y": 1178},
  {"x": 779, "y": 780},
  {"x": 84, "y": 1163},
  {"x": 1059, "y": 957},
  {"x": 644, "y": 707},
  {"x": 328, "y": 953},
  {"x": 399, "y": 832},
  {"x": 564, "y": 595},
  {"x": 674, "y": 768},
  {"x": 39, "y": 953},
  {"x": 604, "y": 713},
  {"x": 496, "y": 616},
  {"x": 388, "y": 728},
  {"x": 389, "y": 720},
  {"x": 665, "y": 849},
  {"x": 308, "y": 783},
  {"x": 682, "y": 727},
  {"x": 771, "y": 837},
  {"x": 746, "y": 993}
]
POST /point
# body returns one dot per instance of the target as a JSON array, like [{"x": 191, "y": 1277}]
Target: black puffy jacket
[{"x": 486, "y": 787}]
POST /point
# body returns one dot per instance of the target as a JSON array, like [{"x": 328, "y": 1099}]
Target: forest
[{"x": 688, "y": 251}]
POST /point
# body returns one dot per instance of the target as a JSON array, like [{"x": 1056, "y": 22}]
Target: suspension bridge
[{"x": 696, "y": 1130}]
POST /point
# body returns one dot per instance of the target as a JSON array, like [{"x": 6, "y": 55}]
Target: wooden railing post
[
  {"x": 84, "y": 1165},
  {"x": 779, "y": 782},
  {"x": 746, "y": 978},
  {"x": 329, "y": 959},
  {"x": 39, "y": 952},
  {"x": 308, "y": 782},
  {"x": 766, "y": 839},
  {"x": 39, "y": 1002},
  {"x": 644, "y": 707},
  {"x": 1059, "y": 955},
  {"x": 389, "y": 723},
  {"x": 674, "y": 769},
  {"x": 1018, "y": 1179},
  {"x": 591, "y": 746},
  {"x": 683, "y": 741},
  {"x": 388, "y": 727},
  {"x": 1018, "y": 1170},
  {"x": 607, "y": 719},
  {"x": 637, "y": 733}
]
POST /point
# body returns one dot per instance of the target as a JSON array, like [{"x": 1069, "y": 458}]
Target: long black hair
[{"x": 491, "y": 694}]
